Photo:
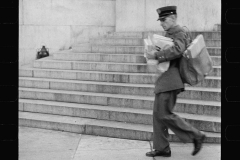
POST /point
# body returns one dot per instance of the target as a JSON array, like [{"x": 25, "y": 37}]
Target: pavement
[{"x": 41, "y": 144}]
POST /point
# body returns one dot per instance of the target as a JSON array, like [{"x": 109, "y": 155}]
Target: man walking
[{"x": 167, "y": 87}]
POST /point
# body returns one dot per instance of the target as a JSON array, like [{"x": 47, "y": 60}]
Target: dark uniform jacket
[{"x": 171, "y": 80}]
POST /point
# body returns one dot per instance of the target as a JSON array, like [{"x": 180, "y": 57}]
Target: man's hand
[
  {"x": 157, "y": 48},
  {"x": 151, "y": 54}
]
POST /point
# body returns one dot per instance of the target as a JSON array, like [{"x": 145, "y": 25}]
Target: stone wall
[
  {"x": 141, "y": 15},
  {"x": 60, "y": 23}
]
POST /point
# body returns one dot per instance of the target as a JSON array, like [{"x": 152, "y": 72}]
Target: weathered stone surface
[
  {"x": 51, "y": 144},
  {"x": 213, "y": 43},
  {"x": 133, "y": 49},
  {"x": 55, "y": 74},
  {"x": 118, "y": 41},
  {"x": 120, "y": 100},
  {"x": 109, "y": 92},
  {"x": 216, "y": 60},
  {"x": 111, "y": 88},
  {"x": 52, "y": 64},
  {"x": 62, "y": 96},
  {"x": 119, "y": 58},
  {"x": 106, "y": 67},
  {"x": 201, "y": 95},
  {"x": 139, "y": 42},
  {"x": 141, "y": 17},
  {"x": 205, "y": 123},
  {"x": 98, "y": 57},
  {"x": 217, "y": 27},
  {"x": 211, "y": 82},
  {"x": 39, "y": 144},
  {"x": 203, "y": 109},
  {"x": 214, "y": 51},
  {"x": 83, "y": 48},
  {"x": 207, "y": 34},
  {"x": 97, "y": 127},
  {"x": 96, "y": 147},
  {"x": 20, "y": 106},
  {"x": 126, "y": 35},
  {"x": 28, "y": 83},
  {"x": 25, "y": 73}
]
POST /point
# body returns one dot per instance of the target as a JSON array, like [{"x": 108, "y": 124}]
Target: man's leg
[
  {"x": 160, "y": 130},
  {"x": 180, "y": 127},
  {"x": 163, "y": 118}
]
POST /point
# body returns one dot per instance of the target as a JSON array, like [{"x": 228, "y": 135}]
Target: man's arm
[{"x": 174, "y": 51}]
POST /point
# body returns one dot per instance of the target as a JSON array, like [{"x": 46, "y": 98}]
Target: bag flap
[{"x": 195, "y": 47}]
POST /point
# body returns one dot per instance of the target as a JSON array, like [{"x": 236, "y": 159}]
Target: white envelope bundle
[{"x": 161, "y": 42}]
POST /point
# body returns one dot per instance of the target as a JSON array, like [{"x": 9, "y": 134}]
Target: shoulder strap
[{"x": 189, "y": 35}]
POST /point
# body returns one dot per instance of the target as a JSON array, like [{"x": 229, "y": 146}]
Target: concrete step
[
  {"x": 119, "y": 100},
  {"x": 102, "y": 57},
  {"x": 213, "y": 51},
  {"x": 200, "y": 107},
  {"x": 104, "y": 66},
  {"x": 119, "y": 114},
  {"x": 139, "y": 42},
  {"x": 199, "y": 93},
  {"x": 213, "y": 43},
  {"x": 206, "y": 34},
  {"x": 210, "y": 82},
  {"x": 98, "y": 127},
  {"x": 99, "y": 57},
  {"x": 118, "y": 77}
]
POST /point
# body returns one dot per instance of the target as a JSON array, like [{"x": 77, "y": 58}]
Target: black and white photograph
[{"x": 119, "y": 79}]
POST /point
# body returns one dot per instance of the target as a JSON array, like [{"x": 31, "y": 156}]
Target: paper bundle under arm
[{"x": 163, "y": 43}]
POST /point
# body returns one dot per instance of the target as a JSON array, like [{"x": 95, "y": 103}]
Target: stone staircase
[{"x": 106, "y": 89}]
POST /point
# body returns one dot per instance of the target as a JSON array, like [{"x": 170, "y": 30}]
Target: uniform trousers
[{"x": 164, "y": 118}]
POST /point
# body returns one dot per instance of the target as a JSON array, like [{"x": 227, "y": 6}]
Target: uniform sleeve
[{"x": 175, "y": 51}]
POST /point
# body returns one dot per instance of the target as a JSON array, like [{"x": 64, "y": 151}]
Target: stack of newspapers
[{"x": 150, "y": 45}]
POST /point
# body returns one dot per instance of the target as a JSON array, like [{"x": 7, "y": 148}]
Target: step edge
[
  {"x": 122, "y": 110},
  {"x": 68, "y": 70},
  {"x": 135, "y": 97},
  {"x": 52, "y": 80},
  {"x": 93, "y": 122}
]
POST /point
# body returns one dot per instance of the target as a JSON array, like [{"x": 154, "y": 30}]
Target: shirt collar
[{"x": 174, "y": 29}]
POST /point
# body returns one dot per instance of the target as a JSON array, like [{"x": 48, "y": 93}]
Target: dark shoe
[
  {"x": 159, "y": 153},
  {"x": 198, "y": 145}
]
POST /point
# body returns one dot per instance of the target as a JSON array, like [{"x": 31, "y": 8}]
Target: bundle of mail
[{"x": 161, "y": 42}]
